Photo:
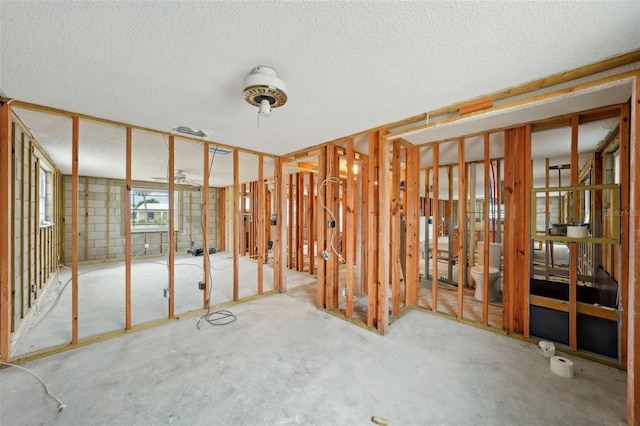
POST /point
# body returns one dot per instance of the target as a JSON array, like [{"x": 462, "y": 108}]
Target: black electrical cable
[{"x": 221, "y": 317}]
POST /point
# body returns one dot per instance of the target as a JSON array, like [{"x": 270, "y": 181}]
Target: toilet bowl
[{"x": 477, "y": 272}]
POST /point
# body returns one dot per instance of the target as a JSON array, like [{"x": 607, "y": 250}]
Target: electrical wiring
[
  {"x": 61, "y": 405},
  {"x": 221, "y": 317},
  {"x": 57, "y": 299},
  {"x": 333, "y": 216}
]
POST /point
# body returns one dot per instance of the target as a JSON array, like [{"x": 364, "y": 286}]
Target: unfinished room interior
[{"x": 393, "y": 213}]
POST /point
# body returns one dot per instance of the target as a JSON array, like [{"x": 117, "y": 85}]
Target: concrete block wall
[
  {"x": 554, "y": 212},
  {"x": 100, "y": 204},
  {"x": 33, "y": 247}
]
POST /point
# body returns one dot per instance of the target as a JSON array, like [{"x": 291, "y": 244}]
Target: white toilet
[{"x": 477, "y": 272}]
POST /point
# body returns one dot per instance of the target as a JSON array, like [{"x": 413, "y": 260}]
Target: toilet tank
[{"x": 495, "y": 251}]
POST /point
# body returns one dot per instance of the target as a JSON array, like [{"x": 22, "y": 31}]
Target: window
[
  {"x": 44, "y": 198},
  {"x": 150, "y": 210}
]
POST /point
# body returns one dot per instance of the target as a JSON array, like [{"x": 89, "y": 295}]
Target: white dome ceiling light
[{"x": 263, "y": 89}]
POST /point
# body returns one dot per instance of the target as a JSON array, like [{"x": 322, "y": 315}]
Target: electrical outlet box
[
  {"x": 325, "y": 255},
  {"x": 201, "y": 285},
  {"x": 146, "y": 245},
  {"x": 166, "y": 293},
  {"x": 331, "y": 224}
]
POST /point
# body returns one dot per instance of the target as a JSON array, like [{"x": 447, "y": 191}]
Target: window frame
[{"x": 154, "y": 193}]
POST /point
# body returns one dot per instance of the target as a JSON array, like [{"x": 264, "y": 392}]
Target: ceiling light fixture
[{"x": 263, "y": 89}]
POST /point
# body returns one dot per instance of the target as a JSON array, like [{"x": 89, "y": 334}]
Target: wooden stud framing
[
  {"x": 332, "y": 188},
  {"x": 108, "y": 219},
  {"x": 279, "y": 237},
  {"x": 23, "y": 203},
  {"x": 364, "y": 225},
  {"x": 383, "y": 233},
  {"x": 486, "y": 239},
  {"x": 412, "y": 275},
  {"x": 462, "y": 221},
  {"x": 127, "y": 233},
  {"x": 172, "y": 235},
  {"x": 573, "y": 249},
  {"x": 300, "y": 222},
  {"x": 6, "y": 204},
  {"x": 547, "y": 216},
  {"x": 436, "y": 221},
  {"x": 350, "y": 190},
  {"x": 36, "y": 230},
  {"x": 237, "y": 218},
  {"x": 321, "y": 215},
  {"x": 372, "y": 232},
  {"x": 396, "y": 212},
  {"x": 510, "y": 226},
  {"x": 290, "y": 228},
  {"x": 633, "y": 304},
  {"x": 222, "y": 219},
  {"x": 242, "y": 224},
  {"x": 86, "y": 219},
  {"x": 262, "y": 244},
  {"x": 206, "y": 294},
  {"x": 12, "y": 234},
  {"x": 626, "y": 181},
  {"x": 311, "y": 224},
  {"x": 74, "y": 229}
]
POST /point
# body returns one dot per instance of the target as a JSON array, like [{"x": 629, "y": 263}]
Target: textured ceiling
[{"x": 349, "y": 66}]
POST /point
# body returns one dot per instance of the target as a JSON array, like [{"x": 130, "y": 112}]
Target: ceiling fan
[{"x": 179, "y": 178}]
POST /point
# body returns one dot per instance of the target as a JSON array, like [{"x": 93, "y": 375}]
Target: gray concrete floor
[
  {"x": 101, "y": 294},
  {"x": 285, "y": 362}
]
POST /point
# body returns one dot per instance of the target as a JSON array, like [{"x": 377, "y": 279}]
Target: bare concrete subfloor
[{"x": 285, "y": 362}]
